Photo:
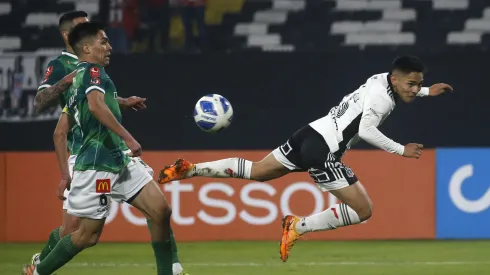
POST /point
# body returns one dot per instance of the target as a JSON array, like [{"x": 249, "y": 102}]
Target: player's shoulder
[
  {"x": 380, "y": 89},
  {"x": 55, "y": 63},
  {"x": 92, "y": 70}
]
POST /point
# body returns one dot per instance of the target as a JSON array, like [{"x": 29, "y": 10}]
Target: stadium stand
[{"x": 284, "y": 24}]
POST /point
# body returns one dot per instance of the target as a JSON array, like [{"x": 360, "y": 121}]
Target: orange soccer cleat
[
  {"x": 289, "y": 236},
  {"x": 176, "y": 171},
  {"x": 28, "y": 269}
]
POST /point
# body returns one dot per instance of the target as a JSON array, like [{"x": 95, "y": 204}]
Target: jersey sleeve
[
  {"x": 424, "y": 91},
  {"x": 376, "y": 107},
  {"x": 53, "y": 73},
  {"x": 92, "y": 79}
]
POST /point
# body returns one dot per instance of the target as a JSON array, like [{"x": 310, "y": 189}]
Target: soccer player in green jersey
[
  {"x": 58, "y": 78},
  {"x": 102, "y": 169}
]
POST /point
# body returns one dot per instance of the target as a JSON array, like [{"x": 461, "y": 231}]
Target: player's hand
[
  {"x": 413, "y": 150},
  {"x": 439, "y": 88},
  {"x": 135, "y": 102},
  {"x": 135, "y": 148},
  {"x": 64, "y": 184}
]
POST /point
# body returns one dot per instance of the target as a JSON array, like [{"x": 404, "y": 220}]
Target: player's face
[
  {"x": 101, "y": 49},
  {"x": 407, "y": 85}
]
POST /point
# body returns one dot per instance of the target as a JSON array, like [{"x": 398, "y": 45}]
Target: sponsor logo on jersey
[
  {"x": 49, "y": 71},
  {"x": 95, "y": 81},
  {"x": 103, "y": 186},
  {"x": 94, "y": 72}
]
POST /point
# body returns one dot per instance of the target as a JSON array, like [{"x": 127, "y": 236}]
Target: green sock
[
  {"x": 163, "y": 255},
  {"x": 61, "y": 254},
  {"x": 173, "y": 243},
  {"x": 54, "y": 238}
]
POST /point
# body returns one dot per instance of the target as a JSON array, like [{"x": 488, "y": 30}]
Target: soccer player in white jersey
[{"x": 319, "y": 146}]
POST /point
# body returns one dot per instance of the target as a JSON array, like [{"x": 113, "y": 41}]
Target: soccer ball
[{"x": 213, "y": 113}]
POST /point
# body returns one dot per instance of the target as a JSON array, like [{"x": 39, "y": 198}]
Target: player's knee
[
  {"x": 70, "y": 225},
  {"x": 162, "y": 213},
  {"x": 366, "y": 211},
  {"x": 83, "y": 239}
]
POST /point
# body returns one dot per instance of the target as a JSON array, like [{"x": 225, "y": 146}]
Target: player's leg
[
  {"x": 177, "y": 268},
  {"x": 85, "y": 236},
  {"x": 274, "y": 165},
  {"x": 136, "y": 187},
  {"x": 92, "y": 208},
  {"x": 70, "y": 224}
]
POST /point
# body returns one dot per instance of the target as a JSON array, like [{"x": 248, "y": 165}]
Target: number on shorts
[{"x": 103, "y": 200}]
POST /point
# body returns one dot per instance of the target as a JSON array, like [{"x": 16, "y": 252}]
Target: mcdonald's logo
[{"x": 103, "y": 186}]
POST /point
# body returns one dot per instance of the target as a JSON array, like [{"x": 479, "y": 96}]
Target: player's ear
[{"x": 86, "y": 48}]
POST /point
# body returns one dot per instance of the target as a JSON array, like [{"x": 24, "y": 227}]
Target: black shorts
[{"x": 306, "y": 150}]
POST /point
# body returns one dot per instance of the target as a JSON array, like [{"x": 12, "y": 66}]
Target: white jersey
[{"x": 359, "y": 114}]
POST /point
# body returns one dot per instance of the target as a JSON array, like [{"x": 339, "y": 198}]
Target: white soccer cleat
[{"x": 35, "y": 259}]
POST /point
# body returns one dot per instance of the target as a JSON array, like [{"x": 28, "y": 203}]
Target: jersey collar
[
  {"x": 391, "y": 92},
  {"x": 69, "y": 54}
]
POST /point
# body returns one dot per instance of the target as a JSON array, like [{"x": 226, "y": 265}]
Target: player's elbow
[
  {"x": 364, "y": 132},
  {"x": 37, "y": 106},
  {"x": 93, "y": 107}
]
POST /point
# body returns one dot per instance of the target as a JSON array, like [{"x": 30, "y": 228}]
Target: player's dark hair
[
  {"x": 81, "y": 32},
  {"x": 408, "y": 64},
  {"x": 66, "y": 20}
]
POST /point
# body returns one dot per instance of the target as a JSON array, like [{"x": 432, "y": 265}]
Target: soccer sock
[
  {"x": 223, "y": 168},
  {"x": 336, "y": 216},
  {"x": 54, "y": 238},
  {"x": 173, "y": 244},
  {"x": 163, "y": 255},
  {"x": 61, "y": 254}
]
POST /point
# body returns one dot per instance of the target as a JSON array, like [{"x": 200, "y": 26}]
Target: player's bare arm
[
  {"x": 100, "y": 110},
  {"x": 134, "y": 102},
  {"x": 49, "y": 96},
  {"x": 439, "y": 88},
  {"x": 65, "y": 123}
]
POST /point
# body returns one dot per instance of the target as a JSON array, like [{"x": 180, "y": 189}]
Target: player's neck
[{"x": 88, "y": 59}]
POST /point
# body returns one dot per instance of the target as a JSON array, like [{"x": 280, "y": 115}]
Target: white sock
[
  {"x": 177, "y": 268},
  {"x": 35, "y": 272},
  {"x": 223, "y": 168},
  {"x": 336, "y": 216}
]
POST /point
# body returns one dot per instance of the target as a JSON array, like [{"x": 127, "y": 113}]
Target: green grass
[{"x": 307, "y": 257}]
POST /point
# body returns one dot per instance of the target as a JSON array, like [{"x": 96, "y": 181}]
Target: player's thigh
[
  {"x": 357, "y": 198},
  {"x": 136, "y": 187},
  {"x": 151, "y": 202},
  {"x": 268, "y": 168}
]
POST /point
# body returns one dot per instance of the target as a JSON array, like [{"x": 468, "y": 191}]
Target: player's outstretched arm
[
  {"x": 65, "y": 123},
  {"x": 59, "y": 137},
  {"x": 134, "y": 102},
  {"x": 375, "y": 109},
  {"x": 435, "y": 90},
  {"x": 47, "y": 97},
  {"x": 99, "y": 109}
]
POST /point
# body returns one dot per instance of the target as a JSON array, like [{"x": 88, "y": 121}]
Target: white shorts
[
  {"x": 71, "y": 164},
  {"x": 92, "y": 190}
]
